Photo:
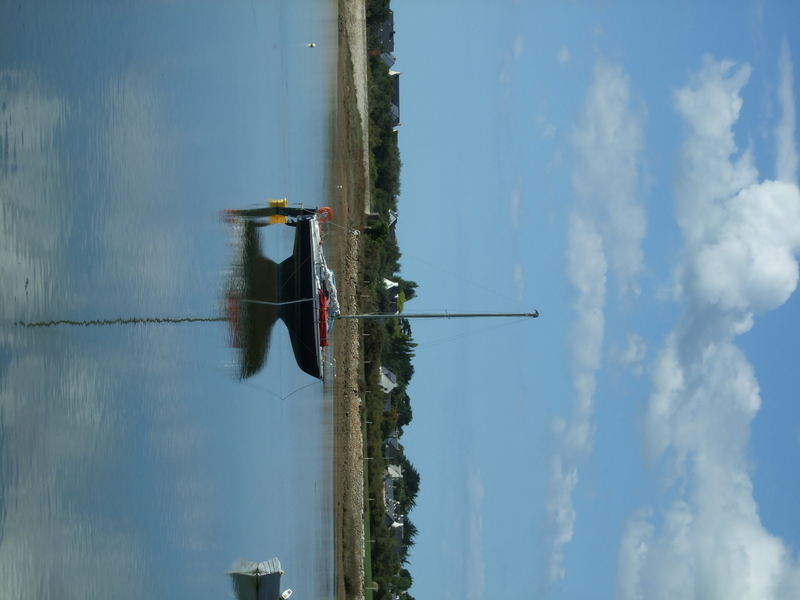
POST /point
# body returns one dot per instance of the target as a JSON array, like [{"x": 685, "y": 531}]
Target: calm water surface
[{"x": 133, "y": 464}]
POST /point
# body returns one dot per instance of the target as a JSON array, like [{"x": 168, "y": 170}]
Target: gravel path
[
  {"x": 352, "y": 440},
  {"x": 354, "y": 18}
]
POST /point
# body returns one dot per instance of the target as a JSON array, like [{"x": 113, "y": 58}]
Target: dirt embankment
[{"x": 350, "y": 150}]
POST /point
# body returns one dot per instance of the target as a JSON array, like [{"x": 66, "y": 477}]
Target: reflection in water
[
  {"x": 257, "y": 581},
  {"x": 253, "y": 277},
  {"x": 132, "y": 465},
  {"x": 121, "y": 321}
]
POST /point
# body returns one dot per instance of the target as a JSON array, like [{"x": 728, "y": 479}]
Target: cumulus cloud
[
  {"x": 605, "y": 229},
  {"x": 740, "y": 243},
  {"x": 609, "y": 141}
]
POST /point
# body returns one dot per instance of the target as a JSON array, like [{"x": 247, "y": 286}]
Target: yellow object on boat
[{"x": 278, "y": 219}]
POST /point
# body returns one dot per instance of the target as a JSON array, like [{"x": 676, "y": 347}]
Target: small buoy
[{"x": 311, "y": 45}]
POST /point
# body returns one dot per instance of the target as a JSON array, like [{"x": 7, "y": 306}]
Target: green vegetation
[{"x": 387, "y": 343}]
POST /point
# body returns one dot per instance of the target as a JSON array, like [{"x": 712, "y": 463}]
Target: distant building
[
  {"x": 387, "y": 41},
  {"x": 388, "y": 59},
  {"x": 395, "y": 76},
  {"x": 393, "y": 288},
  {"x": 393, "y": 224},
  {"x": 392, "y": 444},
  {"x": 387, "y": 56},
  {"x": 387, "y": 34},
  {"x": 388, "y": 380},
  {"x": 394, "y": 471}
]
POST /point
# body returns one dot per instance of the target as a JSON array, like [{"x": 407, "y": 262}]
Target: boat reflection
[{"x": 258, "y": 581}]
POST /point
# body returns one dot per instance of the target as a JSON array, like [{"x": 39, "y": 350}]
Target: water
[{"x": 133, "y": 463}]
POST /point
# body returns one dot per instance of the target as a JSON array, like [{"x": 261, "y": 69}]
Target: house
[
  {"x": 387, "y": 40},
  {"x": 395, "y": 76},
  {"x": 394, "y": 472},
  {"x": 388, "y": 379},
  {"x": 394, "y": 291},
  {"x": 392, "y": 444}
]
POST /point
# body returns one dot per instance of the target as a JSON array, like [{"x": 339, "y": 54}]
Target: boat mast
[{"x": 445, "y": 315}]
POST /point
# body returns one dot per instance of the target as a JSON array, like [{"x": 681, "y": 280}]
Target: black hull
[
  {"x": 285, "y": 291},
  {"x": 298, "y": 283}
]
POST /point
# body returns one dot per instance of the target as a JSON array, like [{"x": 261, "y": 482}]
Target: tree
[
  {"x": 409, "y": 288},
  {"x": 402, "y": 581},
  {"x": 379, "y": 231}
]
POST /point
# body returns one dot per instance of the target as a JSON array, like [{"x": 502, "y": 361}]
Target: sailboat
[{"x": 300, "y": 291}]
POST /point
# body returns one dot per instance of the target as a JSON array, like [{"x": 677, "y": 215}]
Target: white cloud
[
  {"x": 636, "y": 539},
  {"x": 605, "y": 229},
  {"x": 710, "y": 105},
  {"x": 740, "y": 243},
  {"x": 744, "y": 259},
  {"x": 609, "y": 141},
  {"x": 586, "y": 271},
  {"x": 633, "y": 354},
  {"x": 563, "y": 55},
  {"x": 560, "y": 509},
  {"x": 785, "y": 131}
]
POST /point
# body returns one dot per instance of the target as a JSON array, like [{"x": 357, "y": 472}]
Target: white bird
[{"x": 311, "y": 45}]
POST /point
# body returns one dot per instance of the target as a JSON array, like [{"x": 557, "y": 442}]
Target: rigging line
[
  {"x": 122, "y": 321},
  {"x": 342, "y": 227},
  {"x": 276, "y": 303},
  {"x": 302, "y": 388},
  {"x": 467, "y": 334},
  {"x": 464, "y": 279},
  {"x": 245, "y": 382},
  {"x": 281, "y": 398}
]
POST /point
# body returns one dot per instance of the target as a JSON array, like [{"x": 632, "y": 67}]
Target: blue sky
[{"x": 630, "y": 171}]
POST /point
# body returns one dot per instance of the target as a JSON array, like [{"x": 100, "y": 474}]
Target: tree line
[{"x": 389, "y": 342}]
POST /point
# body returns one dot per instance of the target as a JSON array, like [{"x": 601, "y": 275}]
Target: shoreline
[{"x": 350, "y": 201}]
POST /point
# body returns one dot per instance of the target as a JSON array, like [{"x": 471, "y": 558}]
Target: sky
[{"x": 630, "y": 171}]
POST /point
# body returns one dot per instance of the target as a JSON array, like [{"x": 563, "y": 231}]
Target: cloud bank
[
  {"x": 605, "y": 228},
  {"x": 740, "y": 240}
]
